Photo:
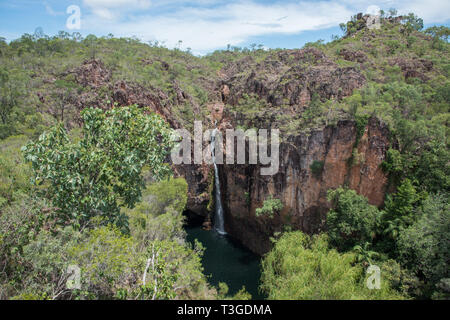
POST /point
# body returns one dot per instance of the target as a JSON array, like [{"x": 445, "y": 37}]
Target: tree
[
  {"x": 399, "y": 208},
  {"x": 160, "y": 213},
  {"x": 413, "y": 22},
  {"x": 424, "y": 247},
  {"x": 153, "y": 261},
  {"x": 440, "y": 35},
  {"x": 64, "y": 96},
  {"x": 103, "y": 170},
  {"x": 317, "y": 168},
  {"x": 392, "y": 12},
  {"x": 3, "y": 46},
  {"x": 352, "y": 221}
]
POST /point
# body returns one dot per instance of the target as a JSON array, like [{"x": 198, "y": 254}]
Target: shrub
[
  {"x": 299, "y": 267},
  {"x": 270, "y": 207},
  {"x": 317, "y": 168},
  {"x": 352, "y": 220},
  {"x": 399, "y": 208}
]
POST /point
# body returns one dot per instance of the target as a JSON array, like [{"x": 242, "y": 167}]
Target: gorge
[{"x": 359, "y": 177}]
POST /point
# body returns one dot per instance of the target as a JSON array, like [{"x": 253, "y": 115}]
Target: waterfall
[{"x": 218, "y": 216}]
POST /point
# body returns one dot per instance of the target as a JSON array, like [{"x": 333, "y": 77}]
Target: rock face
[
  {"x": 413, "y": 68},
  {"x": 290, "y": 76},
  {"x": 302, "y": 192},
  {"x": 92, "y": 73},
  {"x": 353, "y": 55}
]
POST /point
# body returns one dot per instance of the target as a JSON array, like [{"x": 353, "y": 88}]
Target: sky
[{"x": 204, "y": 25}]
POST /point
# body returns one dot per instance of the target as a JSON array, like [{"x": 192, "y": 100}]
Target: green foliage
[
  {"x": 222, "y": 293},
  {"x": 440, "y": 36},
  {"x": 424, "y": 247},
  {"x": 352, "y": 221},
  {"x": 392, "y": 45},
  {"x": 9, "y": 93},
  {"x": 159, "y": 215},
  {"x": 47, "y": 259},
  {"x": 247, "y": 199},
  {"x": 352, "y": 26},
  {"x": 159, "y": 218},
  {"x": 19, "y": 224},
  {"x": 107, "y": 261},
  {"x": 412, "y": 22},
  {"x": 433, "y": 167},
  {"x": 360, "y": 123},
  {"x": 102, "y": 171},
  {"x": 168, "y": 194},
  {"x": 28, "y": 265},
  {"x": 402, "y": 279},
  {"x": 152, "y": 262},
  {"x": 314, "y": 109},
  {"x": 393, "y": 164},
  {"x": 270, "y": 207},
  {"x": 399, "y": 208},
  {"x": 430, "y": 167},
  {"x": 364, "y": 254},
  {"x": 317, "y": 168},
  {"x": 95, "y": 173},
  {"x": 250, "y": 105},
  {"x": 14, "y": 172},
  {"x": 299, "y": 267}
]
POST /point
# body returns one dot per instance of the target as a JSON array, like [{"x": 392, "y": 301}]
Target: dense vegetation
[
  {"x": 84, "y": 179},
  {"x": 88, "y": 206}
]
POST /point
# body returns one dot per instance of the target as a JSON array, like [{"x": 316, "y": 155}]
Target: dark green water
[{"x": 225, "y": 260}]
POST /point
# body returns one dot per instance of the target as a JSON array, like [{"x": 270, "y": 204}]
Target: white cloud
[
  {"x": 204, "y": 29},
  {"x": 211, "y": 24},
  {"x": 50, "y": 10},
  {"x": 373, "y": 9},
  {"x": 143, "y": 4},
  {"x": 112, "y": 9},
  {"x": 431, "y": 11}
]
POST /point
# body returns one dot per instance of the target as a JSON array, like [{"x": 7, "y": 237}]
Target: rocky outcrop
[
  {"x": 353, "y": 55},
  {"x": 414, "y": 68},
  {"x": 290, "y": 77},
  {"x": 92, "y": 73},
  {"x": 125, "y": 94}
]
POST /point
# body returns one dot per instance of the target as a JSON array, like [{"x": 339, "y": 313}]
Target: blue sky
[{"x": 206, "y": 25}]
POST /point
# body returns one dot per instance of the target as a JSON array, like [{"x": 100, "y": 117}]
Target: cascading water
[{"x": 218, "y": 217}]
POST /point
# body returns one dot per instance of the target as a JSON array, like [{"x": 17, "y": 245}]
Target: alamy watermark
[
  {"x": 374, "y": 18},
  {"x": 259, "y": 144},
  {"x": 74, "y": 278},
  {"x": 74, "y": 20},
  {"x": 374, "y": 280}
]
